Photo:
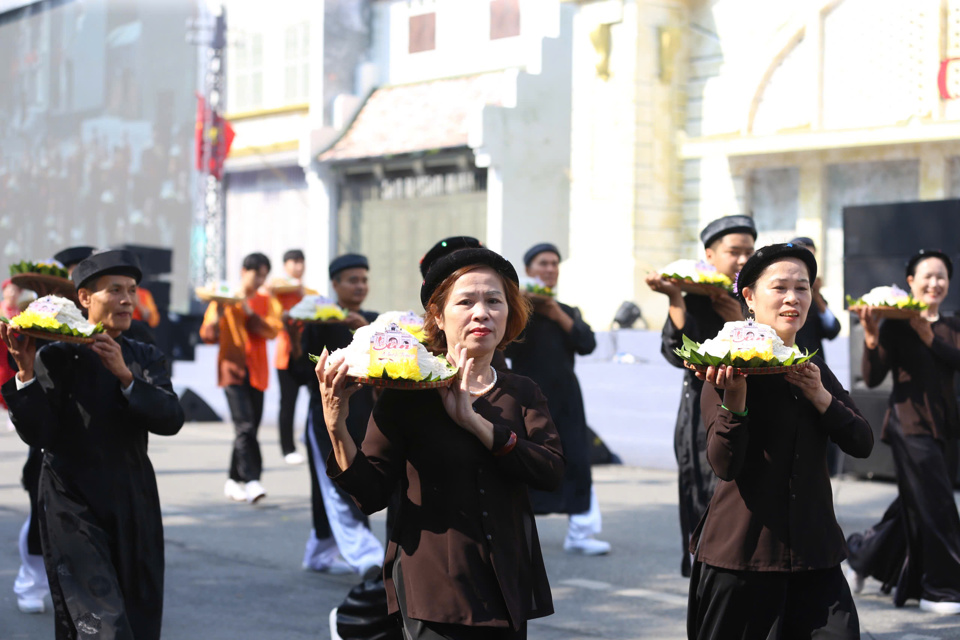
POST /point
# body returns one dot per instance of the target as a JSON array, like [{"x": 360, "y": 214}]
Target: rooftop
[{"x": 426, "y": 116}]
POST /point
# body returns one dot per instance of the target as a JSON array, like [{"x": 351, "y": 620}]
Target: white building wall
[
  {"x": 526, "y": 147},
  {"x": 463, "y": 44},
  {"x": 603, "y": 170},
  {"x": 838, "y": 98}
]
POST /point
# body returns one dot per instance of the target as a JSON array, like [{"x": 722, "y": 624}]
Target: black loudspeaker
[
  {"x": 195, "y": 408},
  {"x": 178, "y": 335},
  {"x": 879, "y": 239},
  {"x": 160, "y": 290},
  {"x": 154, "y": 261}
]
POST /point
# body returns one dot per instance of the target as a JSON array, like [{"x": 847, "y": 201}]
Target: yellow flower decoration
[
  {"x": 330, "y": 312},
  {"x": 715, "y": 277},
  {"x": 415, "y": 330},
  {"x": 32, "y": 320},
  {"x": 749, "y": 354},
  {"x": 406, "y": 370}
]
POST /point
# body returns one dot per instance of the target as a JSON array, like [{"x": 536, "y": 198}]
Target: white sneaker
[
  {"x": 586, "y": 546},
  {"x": 334, "y": 634},
  {"x": 339, "y": 567},
  {"x": 294, "y": 458},
  {"x": 235, "y": 491},
  {"x": 31, "y": 605},
  {"x": 854, "y": 579},
  {"x": 943, "y": 608},
  {"x": 255, "y": 491}
]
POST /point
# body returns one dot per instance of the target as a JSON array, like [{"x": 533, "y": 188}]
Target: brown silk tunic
[
  {"x": 922, "y": 400},
  {"x": 773, "y": 507},
  {"x": 465, "y": 531}
]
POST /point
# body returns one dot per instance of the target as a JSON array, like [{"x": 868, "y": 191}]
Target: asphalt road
[{"x": 233, "y": 570}]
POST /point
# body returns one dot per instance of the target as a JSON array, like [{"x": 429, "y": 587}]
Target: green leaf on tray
[{"x": 44, "y": 269}]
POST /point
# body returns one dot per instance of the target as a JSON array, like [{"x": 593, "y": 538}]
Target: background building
[
  {"x": 812, "y": 106},
  {"x": 613, "y": 128},
  {"x": 97, "y": 113}
]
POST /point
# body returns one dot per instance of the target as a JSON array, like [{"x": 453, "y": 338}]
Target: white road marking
[{"x": 913, "y": 636}]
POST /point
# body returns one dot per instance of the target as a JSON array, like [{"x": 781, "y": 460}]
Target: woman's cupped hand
[
  {"x": 807, "y": 379},
  {"x": 335, "y": 389},
  {"x": 724, "y": 377}
]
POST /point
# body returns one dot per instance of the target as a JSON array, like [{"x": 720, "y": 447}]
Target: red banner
[
  {"x": 945, "y": 93},
  {"x": 219, "y": 136}
]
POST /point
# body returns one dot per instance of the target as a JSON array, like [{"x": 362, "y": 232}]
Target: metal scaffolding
[{"x": 208, "y": 248}]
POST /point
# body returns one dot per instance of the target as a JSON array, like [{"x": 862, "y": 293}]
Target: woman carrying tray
[
  {"x": 768, "y": 550},
  {"x": 922, "y": 422},
  {"x": 464, "y": 558}
]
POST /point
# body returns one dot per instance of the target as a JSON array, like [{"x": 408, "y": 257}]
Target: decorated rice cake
[
  {"x": 385, "y": 351},
  {"x": 44, "y": 267},
  {"x": 536, "y": 287},
  {"x": 409, "y": 321},
  {"x": 284, "y": 285},
  {"x": 55, "y": 316},
  {"x": 696, "y": 272},
  {"x": 745, "y": 344},
  {"x": 317, "y": 308},
  {"x": 892, "y": 297},
  {"x": 221, "y": 291}
]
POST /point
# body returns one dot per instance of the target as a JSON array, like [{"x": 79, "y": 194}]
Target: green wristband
[{"x": 742, "y": 414}]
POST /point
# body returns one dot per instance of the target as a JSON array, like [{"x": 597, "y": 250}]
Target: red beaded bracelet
[{"x": 507, "y": 446}]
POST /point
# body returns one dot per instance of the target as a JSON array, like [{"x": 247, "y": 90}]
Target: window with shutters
[
  {"x": 423, "y": 32},
  {"x": 297, "y": 63},
  {"x": 504, "y": 19},
  {"x": 246, "y": 90}
]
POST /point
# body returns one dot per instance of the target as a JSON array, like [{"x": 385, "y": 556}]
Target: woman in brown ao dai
[
  {"x": 463, "y": 560},
  {"x": 768, "y": 551}
]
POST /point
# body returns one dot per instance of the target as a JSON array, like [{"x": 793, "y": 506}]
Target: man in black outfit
[
  {"x": 341, "y": 540},
  {"x": 90, "y": 408},
  {"x": 545, "y": 353},
  {"x": 728, "y": 243}
]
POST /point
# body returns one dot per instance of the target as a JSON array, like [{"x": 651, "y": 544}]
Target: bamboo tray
[
  {"x": 751, "y": 371},
  {"x": 407, "y": 385},
  {"x": 208, "y": 296},
  {"x": 51, "y": 336},
  {"x": 888, "y": 312},
  {"x": 45, "y": 285},
  {"x": 698, "y": 288}
]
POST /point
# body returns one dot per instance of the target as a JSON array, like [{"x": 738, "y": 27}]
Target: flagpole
[{"x": 208, "y": 250}]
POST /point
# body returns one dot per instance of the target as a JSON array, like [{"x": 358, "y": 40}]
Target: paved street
[{"x": 233, "y": 571}]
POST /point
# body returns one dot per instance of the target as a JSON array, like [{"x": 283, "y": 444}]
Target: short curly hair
[{"x": 518, "y": 310}]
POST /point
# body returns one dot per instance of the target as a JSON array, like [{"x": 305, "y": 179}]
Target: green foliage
[{"x": 26, "y": 266}]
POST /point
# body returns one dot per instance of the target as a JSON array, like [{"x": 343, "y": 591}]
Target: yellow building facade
[{"x": 793, "y": 110}]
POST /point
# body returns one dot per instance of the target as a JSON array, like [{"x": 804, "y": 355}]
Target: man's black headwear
[{"x": 107, "y": 263}]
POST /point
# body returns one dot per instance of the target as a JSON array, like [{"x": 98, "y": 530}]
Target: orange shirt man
[
  {"x": 242, "y": 331},
  {"x": 146, "y": 308},
  {"x": 293, "y": 370}
]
